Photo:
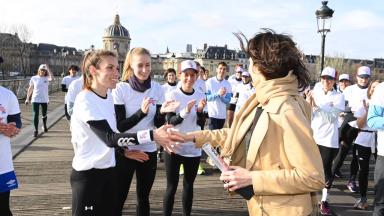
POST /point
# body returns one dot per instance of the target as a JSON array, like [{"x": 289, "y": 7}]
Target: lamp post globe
[{"x": 323, "y": 15}]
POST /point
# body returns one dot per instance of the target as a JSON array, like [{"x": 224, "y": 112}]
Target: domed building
[{"x": 116, "y": 37}]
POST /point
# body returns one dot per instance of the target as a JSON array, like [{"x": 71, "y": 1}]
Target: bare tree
[
  {"x": 22, "y": 42},
  {"x": 339, "y": 62}
]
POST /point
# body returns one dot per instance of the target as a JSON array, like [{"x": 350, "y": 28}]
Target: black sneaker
[
  {"x": 45, "y": 129},
  {"x": 338, "y": 174},
  {"x": 35, "y": 134}
]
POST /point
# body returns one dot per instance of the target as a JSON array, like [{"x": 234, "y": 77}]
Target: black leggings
[
  {"x": 66, "y": 112},
  {"x": 363, "y": 156},
  {"x": 172, "y": 168},
  {"x": 4, "y": 204},
  {"x": 341, "y": 155},
  {"x": 327, "y": 155},
  {"x": 354, "y": 167},
  {"x": 35, "y": 113},
  {"x": 145, "y": 176},
  {"x": 215, "y": 123},
  {"x": 94, "y": 192}
]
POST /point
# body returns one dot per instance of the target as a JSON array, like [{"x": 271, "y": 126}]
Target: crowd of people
[{"x": 284, "y": 140}]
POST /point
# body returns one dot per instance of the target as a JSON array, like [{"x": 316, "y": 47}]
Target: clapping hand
[
  {"x": 190, "y": 105},
  {"x": 145, "y": 105},
  {"x": 222, "y": 91},
  {"x": 169, "y": 106},
  {"x": 201, "y": 105},
  {"x": 366, "y": 105},
  {"x": 309, "y": 98}
]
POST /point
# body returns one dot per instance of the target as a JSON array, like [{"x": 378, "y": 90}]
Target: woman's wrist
[{"x": 190, "y": 138}]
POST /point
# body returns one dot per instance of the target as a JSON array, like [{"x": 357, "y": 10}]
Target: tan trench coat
[{"x": 283, "y": 158}]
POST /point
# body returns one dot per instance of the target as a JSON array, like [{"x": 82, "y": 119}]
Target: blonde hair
[
  {"x": 127, "y": 69},
  {"x": 93, "y": 58},
  {"x": 369, "y": 94}
]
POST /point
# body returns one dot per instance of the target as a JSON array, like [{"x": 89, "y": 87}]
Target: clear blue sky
[{"x": 357, "y": 26}]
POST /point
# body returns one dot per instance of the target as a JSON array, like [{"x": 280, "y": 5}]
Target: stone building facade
[{"x": 25, "y": 58}]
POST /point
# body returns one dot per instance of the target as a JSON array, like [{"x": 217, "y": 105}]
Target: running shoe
[
  {"x": 181, "y": 172},
  {"x": 361, "y": 204},
  {"x": 200, "y": 170},
  {"x": 352, "y": 186},
  {"x": 324, "y": 208},
  {"x": 338, "y": 174}
]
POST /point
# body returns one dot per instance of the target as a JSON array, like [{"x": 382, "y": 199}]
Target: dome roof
[{"x": 116, "y": 30}]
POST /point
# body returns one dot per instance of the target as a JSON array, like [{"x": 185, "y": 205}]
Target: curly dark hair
[{"x": 275, "y": 55}]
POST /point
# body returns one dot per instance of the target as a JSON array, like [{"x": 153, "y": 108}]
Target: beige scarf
[{"x": 265, "y": 90}]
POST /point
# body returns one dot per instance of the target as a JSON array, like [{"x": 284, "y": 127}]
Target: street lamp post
[
  {"x": 1, "y": 62},
  {"x": 64, "y": 53},
  {"x": 323, "y": 16}
]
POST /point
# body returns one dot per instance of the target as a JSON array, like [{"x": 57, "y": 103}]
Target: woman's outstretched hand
[{"x": 168, "y": 137}]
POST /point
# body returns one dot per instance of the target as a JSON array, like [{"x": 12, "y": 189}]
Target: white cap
[
  {"x": 328, "y": 71},
  {"x": 43, "y": 67},
  {"x": 245, "y": 74},
  {"x": 188, "y": 64},
  {"x": 344, "y": 77},
  {"x": 364, "y": 71}
]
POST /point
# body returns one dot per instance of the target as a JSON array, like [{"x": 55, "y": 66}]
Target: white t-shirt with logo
[
  {"x": 8, "y": 106},
  {"x": 217, "y": 108},
  {"x": 245, "y": 91},
  {"x": 234, "y": 83},
  {"x": 132, "y": 99},
  {"x": 200, "y": 86},
  {"x": 366, "y": 139},
  {"x": 190, "y": 121},
  {"x": 74, "y": 89},
  {"x": 168, "y": 88},
  {"x": 67, "y": 80},
  {"x": 90, "y": 151},
  {"x": 355, "y": 96},
  {"x": 325, "y": 119},
  {"x": 40, "y": 89}
]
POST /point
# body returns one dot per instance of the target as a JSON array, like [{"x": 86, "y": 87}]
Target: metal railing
[{"x": 20, "y": 86}]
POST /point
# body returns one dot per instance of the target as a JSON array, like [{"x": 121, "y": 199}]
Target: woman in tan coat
[{"x": 277, "y": 156}]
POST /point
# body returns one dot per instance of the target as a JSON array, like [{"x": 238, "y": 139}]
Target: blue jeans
[{"x": 379, "y": 187}]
